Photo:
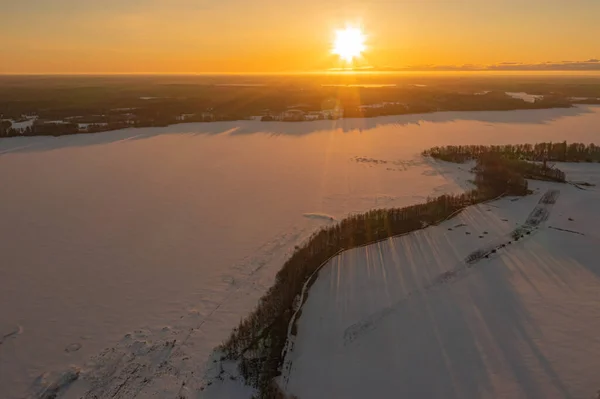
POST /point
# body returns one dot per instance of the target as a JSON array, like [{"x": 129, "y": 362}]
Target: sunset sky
[{"x": 202, "y": 36}]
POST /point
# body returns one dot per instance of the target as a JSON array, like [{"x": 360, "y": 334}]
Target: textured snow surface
[{"x": 127, "y": 256}]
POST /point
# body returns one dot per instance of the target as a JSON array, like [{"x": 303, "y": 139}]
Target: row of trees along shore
[
  {"x": 57, "y": 129},
  {"x": 556, "y": 152},
  {"x": 258, "y": 342},
  {"x": 41, "y": 129}
]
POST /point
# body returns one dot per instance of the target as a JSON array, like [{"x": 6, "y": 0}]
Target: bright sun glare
[{"x": 349, "y": 43}]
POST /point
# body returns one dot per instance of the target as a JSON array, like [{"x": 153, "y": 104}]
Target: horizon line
[{"x": 319, "y": 72}]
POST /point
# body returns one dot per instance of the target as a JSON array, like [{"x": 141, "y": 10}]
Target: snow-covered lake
[{"x": 156, "y": 232}]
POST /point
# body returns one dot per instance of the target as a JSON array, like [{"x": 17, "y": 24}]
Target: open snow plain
[{"x": 127, "y": 256}]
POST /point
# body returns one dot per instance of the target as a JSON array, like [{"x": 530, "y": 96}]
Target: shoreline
[{"x": 305, "y": 121}]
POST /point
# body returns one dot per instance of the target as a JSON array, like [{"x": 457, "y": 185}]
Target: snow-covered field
[
  {"x": 127, "y": 256},
  {"x": 408, "y": 317}
]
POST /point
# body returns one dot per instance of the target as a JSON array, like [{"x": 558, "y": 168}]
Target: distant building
[
  {"x": 334, "y": 113},
  {"x": 208, "y": 116},
  {"x": 184, "y": 117},
  {"x": 293, "y": 115}
]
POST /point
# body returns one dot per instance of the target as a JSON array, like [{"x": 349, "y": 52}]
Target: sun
[{"x": 349, "y": 43}]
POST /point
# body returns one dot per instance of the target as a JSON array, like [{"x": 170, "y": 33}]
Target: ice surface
[{"x": 116, "y": 245}]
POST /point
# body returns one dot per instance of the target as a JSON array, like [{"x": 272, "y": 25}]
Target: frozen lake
[{"x": 159, "y": 230}]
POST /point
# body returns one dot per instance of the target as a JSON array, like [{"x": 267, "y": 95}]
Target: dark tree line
[
  {"x": 441, "y": 101},
  {"x": 259, "y": 340},
  {"x": 5, "y": 128},
  {"x": 496, "y": 175},
  {"x": 118, "y": 108},
  {"x": 555, "y": 152},
  {"x": 519, "y": 169},
  {"x": 42, "y": 129},
  {"x": 57, "y": 129}
]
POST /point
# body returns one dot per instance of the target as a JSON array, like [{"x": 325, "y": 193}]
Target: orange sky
[{"x": 203, "y": 36}]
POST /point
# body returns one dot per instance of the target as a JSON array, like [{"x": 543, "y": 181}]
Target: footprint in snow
[{"x": 74, "y": 347}]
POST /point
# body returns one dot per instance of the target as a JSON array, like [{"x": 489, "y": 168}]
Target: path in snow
[{"x": 539, "y": 215}]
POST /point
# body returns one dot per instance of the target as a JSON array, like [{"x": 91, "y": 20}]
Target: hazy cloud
[
  {"x": 593, "y": 64},
  {"x": 589, "y": 65}
]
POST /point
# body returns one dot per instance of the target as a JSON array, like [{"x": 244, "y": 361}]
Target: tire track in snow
[
  {"x": 291, "y": 339},
  {"x": 536, "y": 218}
]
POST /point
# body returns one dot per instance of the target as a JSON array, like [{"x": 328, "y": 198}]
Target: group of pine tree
[
  {"x": 259, "y": 340},
  {"x": 549, "y": 151},
  {"x": 53, "y": 129}
]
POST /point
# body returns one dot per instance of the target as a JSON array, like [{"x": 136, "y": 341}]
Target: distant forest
[
  {"x": 71, "y": 105},
  {"x": 555, "y": 152},
  {"x": 259, "y": 340}
]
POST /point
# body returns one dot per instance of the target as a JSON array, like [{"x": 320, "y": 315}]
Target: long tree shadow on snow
[
  {"x": 294, "y": 129},
  {"x": 511, "y": 331},
  {"x": 478, "y": 329},
  {"x": 454, "y": 340}
]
